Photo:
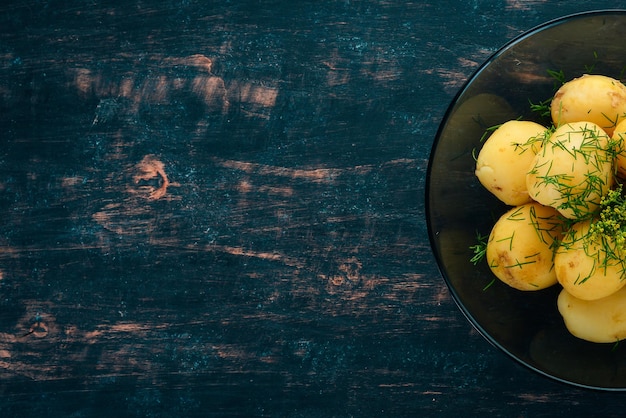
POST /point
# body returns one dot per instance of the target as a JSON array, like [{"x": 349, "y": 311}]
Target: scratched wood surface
[{"x": 217, "y": 209}]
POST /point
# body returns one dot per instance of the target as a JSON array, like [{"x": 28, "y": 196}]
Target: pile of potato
[{"x": 555, "y": 180}]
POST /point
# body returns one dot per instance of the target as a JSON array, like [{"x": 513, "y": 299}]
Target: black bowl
[{"x": 525, "y": 325}]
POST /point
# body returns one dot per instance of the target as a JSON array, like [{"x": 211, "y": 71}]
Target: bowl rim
[{"x": 427, "y": 190}]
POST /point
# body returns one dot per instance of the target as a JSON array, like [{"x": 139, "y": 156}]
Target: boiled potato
[
  {"x": 599, "y": 321},
  {"x": 619, "y": 138},
  {"x": 505, "y": 157},
  {"x": 573, "y": 170},
  {"x": 520, "y": 249},
  {"x": 589, "y": 267},
  {"x": 593, "y": 98}
]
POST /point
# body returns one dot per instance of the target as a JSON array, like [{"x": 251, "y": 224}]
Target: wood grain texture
[{"x": 217, "y": 209}]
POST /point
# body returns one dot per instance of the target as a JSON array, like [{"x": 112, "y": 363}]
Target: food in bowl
[{"x": 568, "y": 220}]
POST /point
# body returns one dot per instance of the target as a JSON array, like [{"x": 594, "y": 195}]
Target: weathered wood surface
[{"x": 217, "y": 208}]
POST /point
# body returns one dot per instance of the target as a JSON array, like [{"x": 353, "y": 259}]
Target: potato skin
[
  {"x": 505, "y": 157},
  {"x": 599, "y": 321},
  {"x": 593, "y": 98},
  {"x": 573, "y": 170},
  {"x": 619, "y": 138},
  {"x": 520, "y": 249},
  {"x": 582, "y": 266}
]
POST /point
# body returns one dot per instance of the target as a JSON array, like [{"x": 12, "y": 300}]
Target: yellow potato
[
  {"x": 505, "y": 157},
  {"x": 573, "y": 170},
  {"x": 619, "y": 138},
  {"x": 588, "y": 267},
  {"x": 520, "y": 249},
  {"x": 593, "y": 98},
  {"x": 599, "y": 321}
]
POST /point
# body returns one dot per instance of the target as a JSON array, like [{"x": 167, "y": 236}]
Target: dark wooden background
[{"x": 216, "y": 208}]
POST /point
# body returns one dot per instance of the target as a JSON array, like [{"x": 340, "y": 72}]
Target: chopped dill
[
  {"x": 489, "y": 131},
  {"x": 489, "y": 284},
  {"x": 558, "y": 76},
  {"x": 590, "y": 68},
  {"x": 479, "y": 249},
  {"x": 542, "y": 108}
]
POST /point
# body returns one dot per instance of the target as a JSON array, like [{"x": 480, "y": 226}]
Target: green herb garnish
[
  {"x": 480, "y": 249},
  {"x": 612, "y": 220}
]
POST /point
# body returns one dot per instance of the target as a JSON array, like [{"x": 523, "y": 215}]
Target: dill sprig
[
  {"x": 479, "y": 249},
  {"x": 543, "y": 107},
  {"x": 590, "y": 68},
  {"x": 558, "y": 76}
]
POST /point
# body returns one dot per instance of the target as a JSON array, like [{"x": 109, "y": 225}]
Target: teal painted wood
[{"x": 216, "y": 209}]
